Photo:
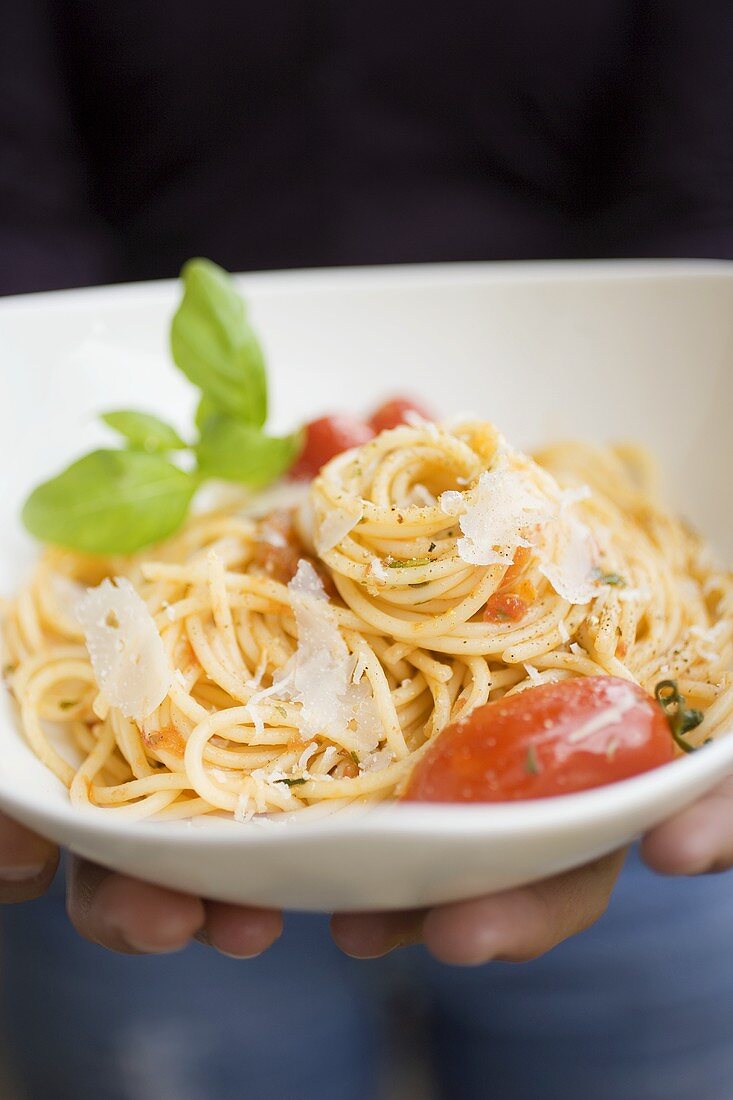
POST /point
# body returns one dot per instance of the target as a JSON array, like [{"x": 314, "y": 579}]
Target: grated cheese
[
  {"x": 126, "y": 650},
  {"x": 377, "y": 570}
]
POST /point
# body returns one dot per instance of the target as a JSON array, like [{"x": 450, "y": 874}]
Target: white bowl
[{"x": 601, "y": 350}]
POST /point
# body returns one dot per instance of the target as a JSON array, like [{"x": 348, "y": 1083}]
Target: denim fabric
[{"x": 638, "y": 1008}]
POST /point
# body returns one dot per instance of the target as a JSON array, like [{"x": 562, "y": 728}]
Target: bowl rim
[{"x": 390, "y": 277}]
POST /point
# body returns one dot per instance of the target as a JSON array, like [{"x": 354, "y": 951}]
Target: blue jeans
[{"x": 638, "y": 1008}]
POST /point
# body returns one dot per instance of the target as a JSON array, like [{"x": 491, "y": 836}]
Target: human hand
[
  {"x": 696, "y": 841},
  {"x": 514, "y": 926},
  {"x": 127, "y": 915},
  {"x": 526, "y": 922},
  {"x": 27, "y": 863},
  {"x": 124, "y": 914}
]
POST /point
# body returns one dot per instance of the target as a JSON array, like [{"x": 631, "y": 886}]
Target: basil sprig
[
  {"x": 214, "y": 345},
  {"x": 234, "y": 451},
  {"x": 111, "y": 502},
  {"x": 143, "y": 431},
  {"x": 680, "y": 717},
  {"x": 118, "y": 501}
]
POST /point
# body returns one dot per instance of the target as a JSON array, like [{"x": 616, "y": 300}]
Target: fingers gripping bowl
[{"x": 409, "y": 855}]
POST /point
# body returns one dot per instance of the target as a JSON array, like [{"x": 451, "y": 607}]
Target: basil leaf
[
  {"x": 215, "y": 347},
  {"x": 204, "y": 411},
  {"x": 110, "y": 502},
  {"x": 143, "y": 431},
  {"x": 238, "y": 452}
]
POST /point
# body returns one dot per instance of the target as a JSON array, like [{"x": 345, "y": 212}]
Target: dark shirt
[{"x": 136, "y": 133}]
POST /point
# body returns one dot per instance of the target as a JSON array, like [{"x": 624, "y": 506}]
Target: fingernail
[
  {"x": 231, "y": 955},
  {"x": 22, "y": 873},
  {"x": 368, "y": 952},
  {"x": 151, "y": 948},
  {"x": 202, "y": 936}
]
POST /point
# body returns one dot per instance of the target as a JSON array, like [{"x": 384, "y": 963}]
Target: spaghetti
[{"x": 273, "y": 659}]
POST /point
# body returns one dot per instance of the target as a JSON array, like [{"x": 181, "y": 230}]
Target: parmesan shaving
[
  {"x": 308, "y": 752},
  {"x": 276, "y": 688},
  {"x": 570, "y": 572},
  {"x": 329, "y": 757},
  {"x": 505, "y": 511},
  {"x": 496, "y": 517},
  {"x": 322, "y": 669},
  {"x": 125, "y": 648},
  {"x": 359, "y": 669},
  {"x": 258, "y": 722},
  {"x": 334, "y": 527},
  {"x": 243, "y": 812},
  {"x": 256, "y": 680},
  {"x": 376, "y": 761}
]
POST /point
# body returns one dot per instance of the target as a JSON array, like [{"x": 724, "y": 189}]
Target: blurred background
[
  {"x": 317, "y": 132},
  {"x": 321, "y": 132}
]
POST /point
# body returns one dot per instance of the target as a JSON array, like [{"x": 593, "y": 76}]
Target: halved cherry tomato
[
  {"x": 521, "y": 556},
  {"x": 505, "y": 607},
  {"x": 392, "y": 413},
  {"x": 278, "y": 550},
  {"x": 324, "y": 439},
  {"x": 515, "y": 593},
  {"x": 548, "y": 740}
]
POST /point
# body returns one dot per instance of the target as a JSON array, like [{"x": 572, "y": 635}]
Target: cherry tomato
[
  {"x": 505, "y": 607},
  {"x": 549, "y": 740},
  {"x": 324, "y": 439},
  {"x": 392, "y": 413}
]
